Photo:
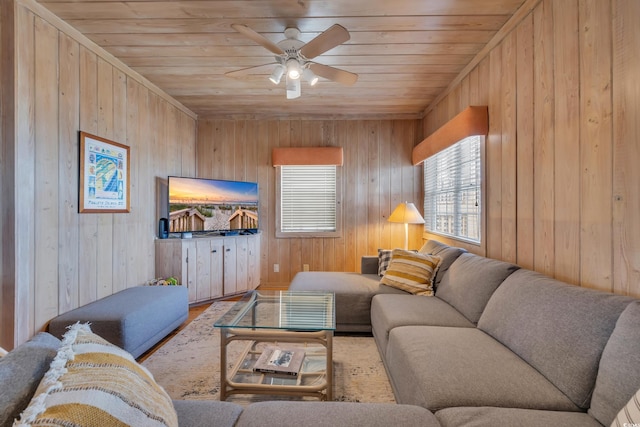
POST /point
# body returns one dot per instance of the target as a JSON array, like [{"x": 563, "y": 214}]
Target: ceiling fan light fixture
[
  {"x": 310, "y": 77},
  {"x": 293, "y": 69},
  {"x": 292, "y": 58},
  {"x": 293, "y": 88},
  {"x": 276, "y": 75}
]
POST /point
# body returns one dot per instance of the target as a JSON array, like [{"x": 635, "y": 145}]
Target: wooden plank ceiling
[{"x": 406, "y": 52}]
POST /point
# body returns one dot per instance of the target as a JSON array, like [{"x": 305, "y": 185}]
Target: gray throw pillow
[{"x": 20, "y": 373}]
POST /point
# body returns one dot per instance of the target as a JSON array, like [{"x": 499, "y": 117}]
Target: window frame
[
  {"x": 481, "y": 199},
  {"x": 313, "y": 233}
]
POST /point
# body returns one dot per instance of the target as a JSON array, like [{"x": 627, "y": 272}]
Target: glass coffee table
[{"x": 282, "y": 320}]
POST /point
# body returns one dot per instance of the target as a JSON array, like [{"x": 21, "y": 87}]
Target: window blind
[
  {"x": 308, "y": 198},
  {"x": 452, "y": 202}
]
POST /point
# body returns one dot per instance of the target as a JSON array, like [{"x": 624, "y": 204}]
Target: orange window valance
[
  {"x": 473, "y": 120},
  {"x": 305, "y": 156}
]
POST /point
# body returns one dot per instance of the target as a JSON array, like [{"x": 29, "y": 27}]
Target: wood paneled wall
[
  {"x": 61, "y": 259},
  {"x": 377, "y": 175},
  {"x": 562, "y": 181}
]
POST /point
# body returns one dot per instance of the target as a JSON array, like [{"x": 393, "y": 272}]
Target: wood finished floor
[{"x": 193, "y": 313}]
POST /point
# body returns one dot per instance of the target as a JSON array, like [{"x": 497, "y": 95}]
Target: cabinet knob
[
  {"x": 214, "y": 251},
  {"x": 228, "y": 250}
]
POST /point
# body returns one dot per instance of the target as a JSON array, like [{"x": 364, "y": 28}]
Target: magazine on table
[{"x": 277, "y": 360}]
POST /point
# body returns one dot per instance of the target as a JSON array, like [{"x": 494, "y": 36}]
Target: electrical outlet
[
  {"x": 276, "y": 268},
  {"x": 305, "y": 267}
]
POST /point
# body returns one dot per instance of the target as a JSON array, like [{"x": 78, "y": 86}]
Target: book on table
[{"x": 278, "y": 360}]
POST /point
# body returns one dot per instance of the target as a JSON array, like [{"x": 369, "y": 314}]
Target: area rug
[{"x": 188, "y": 365}]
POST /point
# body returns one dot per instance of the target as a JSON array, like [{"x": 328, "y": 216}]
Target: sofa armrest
[{"x": 369, "y": 264}]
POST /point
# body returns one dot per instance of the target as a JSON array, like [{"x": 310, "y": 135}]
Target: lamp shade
[{"x": 406, "y": 213}]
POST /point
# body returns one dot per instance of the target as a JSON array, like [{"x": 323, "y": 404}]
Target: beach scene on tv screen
[{"x": 212, "y": 205}]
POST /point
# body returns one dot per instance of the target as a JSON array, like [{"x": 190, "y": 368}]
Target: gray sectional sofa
[
  {"x": 498, "y": 344},
  {"x": 22, "y": 369}
]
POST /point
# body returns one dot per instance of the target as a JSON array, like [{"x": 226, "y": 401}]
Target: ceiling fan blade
[
  {"x": 329, "y": 39},
  {"x": 258, "y": 38},
  {"x": 334, "y": 74},
  {"x": 258, "y": 69}
]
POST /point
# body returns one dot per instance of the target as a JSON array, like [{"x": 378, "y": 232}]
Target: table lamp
[{"x": 406, "y": 213}]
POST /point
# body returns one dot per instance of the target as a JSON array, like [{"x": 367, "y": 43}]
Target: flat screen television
[{"x": 199, "y": 205}]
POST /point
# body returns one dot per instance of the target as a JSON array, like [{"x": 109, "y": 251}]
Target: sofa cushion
[
  {"x": 353, "y": 293},
  {"x": 93, "y": 382},
  {"x": 439, "y": 367},
  {"x": 448, "y": 254},
  {"x": 491, "y": 417},
  {"x": 411, "y": 271},
  {"x": 618, "y": 375},
  {"x": 545, "y": 321},
  {"x": 198, "y": 413},
  {"x": 389, "y": 311},
  {"x": 331, "y": 414},
  {"x": 470, "y": 282},
  {"x": 20, "y": 373},
  {"x": 384, "y": 258}
]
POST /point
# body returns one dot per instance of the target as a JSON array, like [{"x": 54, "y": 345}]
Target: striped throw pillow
[
  {"x": 91, "y": 382},
  {"x": 629, "y": 415},
  {"x": 411, "y": 271}
]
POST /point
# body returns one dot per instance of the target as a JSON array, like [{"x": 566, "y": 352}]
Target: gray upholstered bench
[{"x": 134, "y": 319}]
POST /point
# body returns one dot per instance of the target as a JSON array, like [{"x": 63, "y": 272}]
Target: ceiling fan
[{"x": 293, "y": 58}]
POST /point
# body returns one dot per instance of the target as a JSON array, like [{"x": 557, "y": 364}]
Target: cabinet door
[
  {"x": 230, "y": 285},
  {"x": 253, "y": 270},
  {"x": 217, "y": 267},
  {"x": 203, "y": 269},
  {"x": 242, "y": 261},
  {"x": 189, "y": 267},
  {"x": 172, "y": 260}
]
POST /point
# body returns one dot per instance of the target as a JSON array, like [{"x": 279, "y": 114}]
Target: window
[
  {"x": 307, "y": 201},
  {"x": 452, "y": 191}
]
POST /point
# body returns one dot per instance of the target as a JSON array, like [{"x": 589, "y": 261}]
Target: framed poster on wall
[{"x": 104, "y": 175}]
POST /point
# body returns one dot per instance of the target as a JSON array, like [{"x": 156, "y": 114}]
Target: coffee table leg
[
  {"x": 223, "y": 364},
  {"x": 329, "y": 365}
]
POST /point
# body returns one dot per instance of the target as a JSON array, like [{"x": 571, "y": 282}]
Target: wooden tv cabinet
[{"x": 211, "y": 267}]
